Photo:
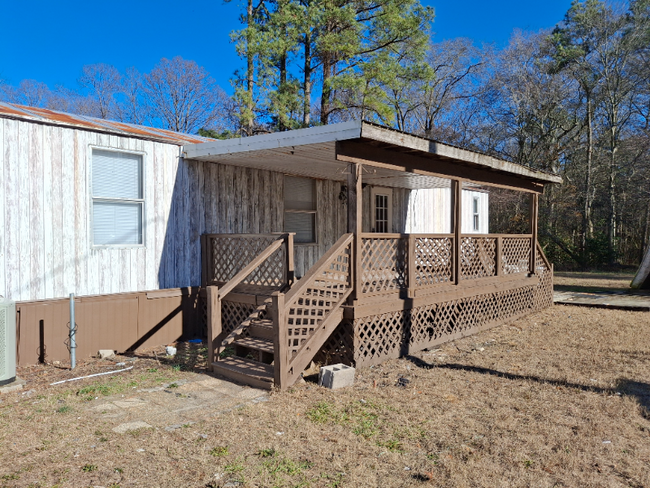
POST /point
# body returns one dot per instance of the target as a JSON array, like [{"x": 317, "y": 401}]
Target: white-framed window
[
  {"x": 475, "y": 214},
  {"x": 381, "y": 209},
  {"x": 300, "y": 208},
  {"x": 117, "y": 198}
]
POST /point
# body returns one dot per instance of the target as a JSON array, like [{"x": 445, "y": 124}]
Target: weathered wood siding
[
  {"x": 45, "y": 246},
  {"x": 45, "y": 249}
]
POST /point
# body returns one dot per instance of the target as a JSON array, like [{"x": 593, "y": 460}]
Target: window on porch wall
[
  {"x": 381, "y": 208},
  {"x": 300, "y": 209}
]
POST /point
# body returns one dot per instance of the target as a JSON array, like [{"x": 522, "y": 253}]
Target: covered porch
[{"x": 371, "y": 295}]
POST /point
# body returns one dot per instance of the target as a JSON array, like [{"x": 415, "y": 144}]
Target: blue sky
[{"x": 50, "y": 41}]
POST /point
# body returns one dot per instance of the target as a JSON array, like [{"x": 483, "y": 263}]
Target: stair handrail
[
  {"x": 549, "y": 267},
  {"x": 286, "y": 366},
  {"x": 316, "y": 270},
  {"x": 250, "y": 267}
]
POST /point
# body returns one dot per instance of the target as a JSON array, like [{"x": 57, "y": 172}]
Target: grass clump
[
  {"x": 220, "y": 451},
  {"x": 89, "y": 468},
  {"x": 235, "y": 467}
]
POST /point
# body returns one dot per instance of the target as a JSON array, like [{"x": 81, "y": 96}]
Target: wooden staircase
[
  {"x": 280, "y": 337},
  {"x": 247, "y": 354}
]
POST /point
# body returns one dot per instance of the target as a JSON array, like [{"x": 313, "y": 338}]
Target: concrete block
[
  {"x": 336, "y": 376},
  {"x": 106, "y": 353},
  {"x": 15, "y": 385}
]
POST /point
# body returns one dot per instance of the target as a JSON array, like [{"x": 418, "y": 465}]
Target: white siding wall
[
  {"x": 468, "y": 215},
  {"x": 429, "y": 211},
  {"x": 45, "y": 247}
]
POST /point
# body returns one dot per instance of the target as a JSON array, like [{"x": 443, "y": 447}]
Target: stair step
[
  {"x": 253, "y": 373},
  {"x": 262, "y": 329},
  {"x": 255, "y": 343},
  {"x": 264, "y": 322}
]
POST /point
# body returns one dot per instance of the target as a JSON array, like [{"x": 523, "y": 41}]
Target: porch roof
[{"x": 396, "y": 159}]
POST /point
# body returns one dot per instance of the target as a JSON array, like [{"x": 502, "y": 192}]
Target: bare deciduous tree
[
  {"x": 103, "y": 82},
  {"x": 181, "y": 95}
]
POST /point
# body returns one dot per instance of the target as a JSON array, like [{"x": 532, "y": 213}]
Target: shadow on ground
[
  {"x": 601, "y": 290},
  {"x": 624, "y": 386},
  {"x": 190, "y": 356}
]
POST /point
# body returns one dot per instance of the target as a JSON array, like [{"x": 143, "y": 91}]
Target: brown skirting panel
[{"x": 122, "y": 322}]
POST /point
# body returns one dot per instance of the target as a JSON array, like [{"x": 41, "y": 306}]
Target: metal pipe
[
  {"x": 91, "y": 376},
  {"x": 73, "y": 330}
]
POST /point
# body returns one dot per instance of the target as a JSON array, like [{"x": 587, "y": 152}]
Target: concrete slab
[
  {"x": 251, "y": 393},
  {"x": 16, "y": 385},
  {"x": 616, "y": 300},
  {"x": 131, "y": 403},
  {"x": 167, "y": 408},
  {"x": 126, "y": 427}
]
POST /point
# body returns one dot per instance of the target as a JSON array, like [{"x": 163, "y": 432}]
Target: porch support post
[
  {"x": 456, "y": 223},
  {"x": 355, "y": 212},
  {"x": 290, "y": 274},
  {"x": 214, "y": 323},
  {"x": 280, "y": 341},
  {"x": 534, "y": 217}
]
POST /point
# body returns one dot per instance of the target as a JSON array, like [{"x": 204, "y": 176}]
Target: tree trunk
[
  {"x": 250, "y": 74},
  {"x": 612, "y": 203},
  {"x": 327, "y": 90},
  {"x": 587, "y": 222},
  {"x": 282, "y": 68},
  {"x": 306, "y": 106}
]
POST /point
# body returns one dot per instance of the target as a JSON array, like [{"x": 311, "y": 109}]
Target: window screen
[
  {"x": 117, "y": 198},
  {"x": 300, "y": 208}
]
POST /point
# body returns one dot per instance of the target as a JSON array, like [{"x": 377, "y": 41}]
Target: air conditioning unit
[{"x": 7, "y": 341}]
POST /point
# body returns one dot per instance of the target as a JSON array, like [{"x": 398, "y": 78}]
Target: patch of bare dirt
[{"x": 560, "y": 398}]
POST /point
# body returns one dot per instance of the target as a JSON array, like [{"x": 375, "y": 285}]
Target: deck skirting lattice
[{"x": 377, "y": 338}]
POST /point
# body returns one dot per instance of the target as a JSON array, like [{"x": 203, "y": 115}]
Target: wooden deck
[{"x": 413, "y": 292}]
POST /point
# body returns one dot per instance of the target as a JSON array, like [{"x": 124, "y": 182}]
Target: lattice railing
[
  {"x": 317, "y": 295},
  {"x": 383, "y": 263},
  {"x": 307, "y": 315},
  {"x": 477, "y": 257},
  {"x": 432, "y": 260},
  {"x": 225, "y": 255},
  {"x": 515, "y": 255},
  {"x": 395, "y": 333},
  {"x": 395, "y": 263}
]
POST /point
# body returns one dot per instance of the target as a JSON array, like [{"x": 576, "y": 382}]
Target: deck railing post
[
  {"x": 499, "y": 256},
  {"x": 290, "y": 268},
  {"x": 214, "y": 322},
  {"x": 204, "y": 260},
  {"x": 355, "y": 212},
  {"x": 410, "y": 266},
  {"x": 456, "y": 193},
  {"x": 280, "y": 340},
  {"x": 534, "y": 215}
]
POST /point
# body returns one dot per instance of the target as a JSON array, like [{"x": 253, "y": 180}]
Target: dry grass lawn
[
  {"x": 592, "y": 281},
  {"x": 558, "y": 399}
]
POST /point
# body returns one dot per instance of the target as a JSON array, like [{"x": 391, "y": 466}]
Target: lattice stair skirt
[{"x": 265, "y": 340}]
